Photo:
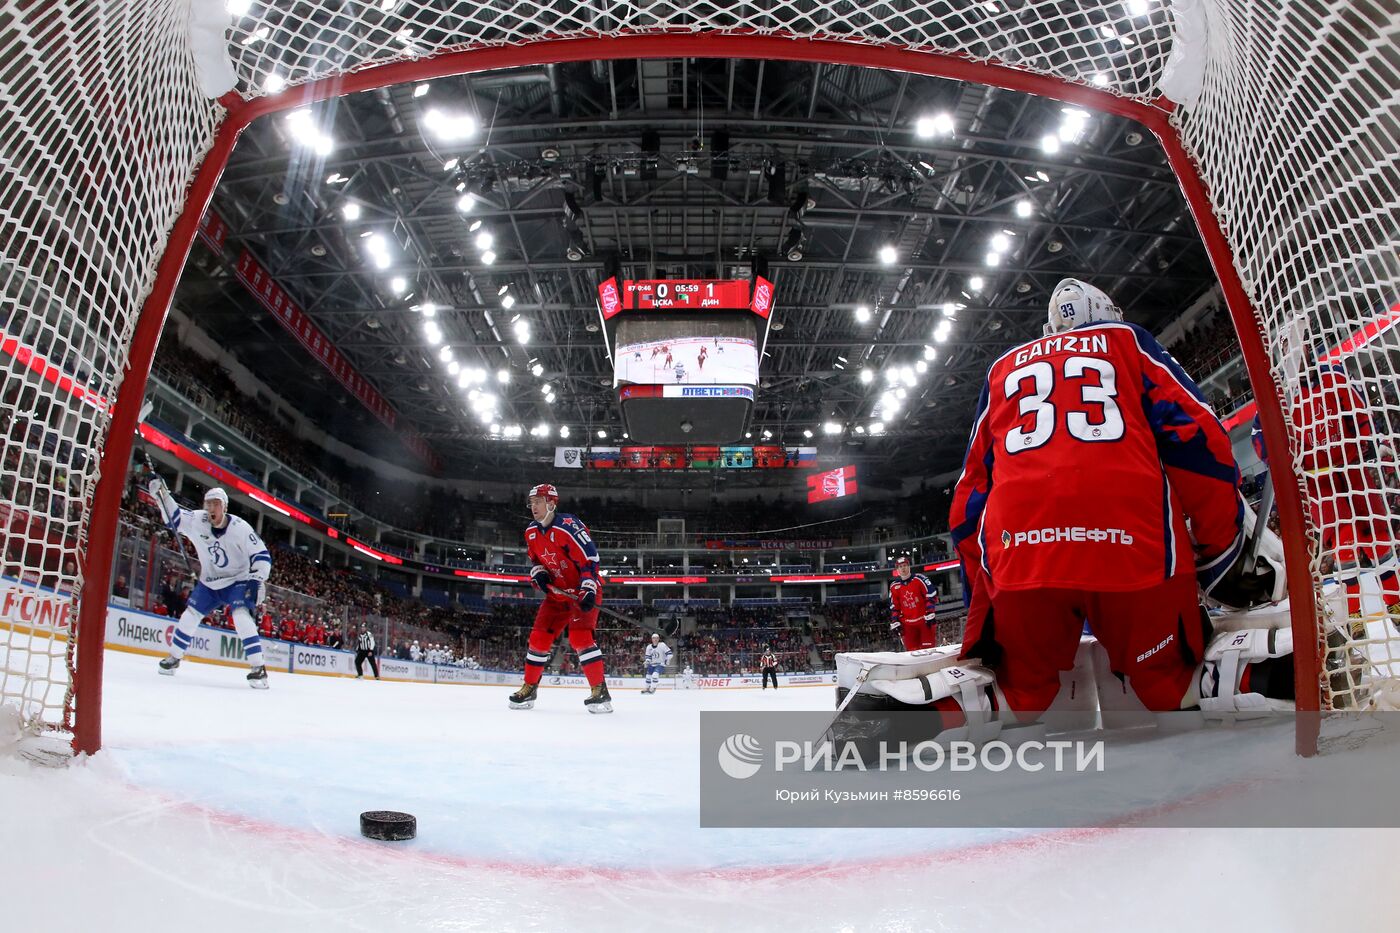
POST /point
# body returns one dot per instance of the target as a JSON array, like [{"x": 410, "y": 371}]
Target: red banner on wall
[
  {"x": 833, "y": 484},
  {"x": 299, "y": 324}
]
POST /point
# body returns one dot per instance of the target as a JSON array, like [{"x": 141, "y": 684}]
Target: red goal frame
[{"x": 1155, "y": 116}]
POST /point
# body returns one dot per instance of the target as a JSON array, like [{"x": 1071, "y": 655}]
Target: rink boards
[{"x": 138, "y": 632}]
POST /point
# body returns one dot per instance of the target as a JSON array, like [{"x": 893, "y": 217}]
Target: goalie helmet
[
  {"x": 546, "y": 490},
  {"x": 1074, "y": 302}
]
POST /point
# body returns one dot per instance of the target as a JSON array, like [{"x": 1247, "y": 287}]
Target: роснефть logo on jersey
[{"x": 1057, "y": 535}]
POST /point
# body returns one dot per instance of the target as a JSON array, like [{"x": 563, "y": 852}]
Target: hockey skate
[
  {"x": 599, "y": 701},
  {"x": 168, "y": 665},
  {"x": 524, "y": 698},
  {"x": 257, "y": 678}
]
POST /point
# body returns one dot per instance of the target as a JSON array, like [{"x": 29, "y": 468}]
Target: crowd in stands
[{"x": 435, "y": 511}]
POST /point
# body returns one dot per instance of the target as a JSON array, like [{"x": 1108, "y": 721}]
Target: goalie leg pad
[
  {"x": 1247, "y": 674},
  {"x": 964, "y": 697}
]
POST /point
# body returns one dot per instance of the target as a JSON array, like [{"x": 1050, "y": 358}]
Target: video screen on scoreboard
[{"x": 711, "y": 349}]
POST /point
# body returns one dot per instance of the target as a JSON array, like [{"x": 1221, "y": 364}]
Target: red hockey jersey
[
  {"x": 1090, "y": 450},
  {"x": 567, "y": 551},
  {"x": 913, "y": 600},
  {"x": 1332, "y": 421}
]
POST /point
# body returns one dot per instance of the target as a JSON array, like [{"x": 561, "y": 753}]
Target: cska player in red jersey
[
  {"x": 913, "y": 602},
  {"x": 1344, "y": 463},
  {"x": 1091, "y": 452},
  {"x": 565, "y": 570}
]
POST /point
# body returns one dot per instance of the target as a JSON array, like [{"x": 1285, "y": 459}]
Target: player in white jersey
[
  {"x": 657, "y": 657},
  {"x": 234, "y": 566},
  {"x": 687, "y": 679}
]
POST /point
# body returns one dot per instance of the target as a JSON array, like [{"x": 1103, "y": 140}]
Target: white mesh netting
[{"x": 1295, "y": 132}]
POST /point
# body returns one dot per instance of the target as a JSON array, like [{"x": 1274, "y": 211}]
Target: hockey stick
[
  {"x": 865, "y": 670},
  {"x": 177, "y": 542},
  {"x": 574, "y": 597},
  {"x": 1261, "y": 517}
]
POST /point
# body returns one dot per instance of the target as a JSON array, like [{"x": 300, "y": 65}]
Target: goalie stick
[{"x": 1261, "y": 517}]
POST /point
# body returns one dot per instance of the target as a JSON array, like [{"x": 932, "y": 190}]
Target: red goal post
[{"x": 1286, "y": 152}]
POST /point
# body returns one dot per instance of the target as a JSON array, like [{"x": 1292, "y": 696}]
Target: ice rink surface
[{"x": 215, "y": 807}]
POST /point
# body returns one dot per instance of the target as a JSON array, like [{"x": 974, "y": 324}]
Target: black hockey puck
[{"x": 390, "y": 825}]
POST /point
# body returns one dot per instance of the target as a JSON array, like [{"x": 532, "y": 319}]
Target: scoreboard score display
[
  {"x": 685, "y": 294},
  {"x": 685, "y": 354}
]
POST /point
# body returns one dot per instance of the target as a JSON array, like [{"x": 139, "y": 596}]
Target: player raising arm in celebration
[
  {"x": 565, "y": 570},
  {"x": 234, "y": 566},
  {"x": 1091, "y": 451},
  {"x": 658, "y": 655},
  {"x": 913, "y": 602}
]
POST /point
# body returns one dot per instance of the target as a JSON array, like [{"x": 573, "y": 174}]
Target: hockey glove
[
  {"x": 254, "y": 593},
  {"x": 540, "y": 578},
  {"x": 894, "y": 625},
  {"x": 588, "y": 598}
]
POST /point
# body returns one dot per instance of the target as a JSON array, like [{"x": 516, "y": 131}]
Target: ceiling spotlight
[
  {"x": 564, "y": 430},
  {"x": 420, "y": 90},
  {"x": 602, "y": 434},
  {"x": 807, "y": 434},
  {"x": 1000, "y": 242},
  {"x": 484, "y": 239},
  {"x": 993, "y": 259},
  {"x": 466, "y": 202},
  {"x": 862, "y": 314},
  {"x": 921, "y": 367},
  {"x": 445, "y": 354},
  {"x": 428, "y": 309},
  {"x": 537, "y": 370},
  {"x": 1050, "y": 144},
  {"x": 937, "y": 125},
  {"x": 453, "y": 367},
  {"x": 929, "y": 353},
  {"x": 877, "y": 427},
  {"x": 447, "y": 126},
  {"x": 351, "y": 211},
  {"x": 866, "y": 376},
  {"x": 503, "y": 377},
  {"x": 449, "y": 165},
  {"x": 831, "y": 427},
  {"x": 508, "y": 302},
  {"x": 398, "y": 284},
  {"x": 488, "y": 257},
  {"x": 792, "y": 246},
  {"x": 1099, "y": 79},
  {"x": 475, "y": 226},
  {"x": 1023, "y": 208},
  {"x": 573, "y": 253},
  {"x": 975, "y": 283},
  {"x": 274, "y": 83},
  {"x": 888, "y": 255},
  {"x": 767, "y": 434},
  {"x": 1054, "y": 246}
]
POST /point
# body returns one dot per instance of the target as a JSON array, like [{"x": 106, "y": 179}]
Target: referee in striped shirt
[{"x": 365, "y": 649}]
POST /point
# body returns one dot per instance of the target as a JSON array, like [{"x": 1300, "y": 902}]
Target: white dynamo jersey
[
  {"x": 227, "y": 556},
  {"x": 659, "y": 653}
]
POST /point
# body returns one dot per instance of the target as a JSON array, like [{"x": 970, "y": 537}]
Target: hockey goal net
[{"x": 1278, "y": 115}]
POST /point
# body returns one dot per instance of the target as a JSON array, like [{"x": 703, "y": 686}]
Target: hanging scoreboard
[{"x": 685, "y": 354}]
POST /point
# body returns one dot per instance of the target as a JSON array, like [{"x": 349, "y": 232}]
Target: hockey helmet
[
  {"x": 546, "y": 490},
  {"x": 217, "y": 493},
  {"x": 655, "y": 636},
  {"x": 1073, "y": 302},
  {"x": 902, "y": 559}
]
